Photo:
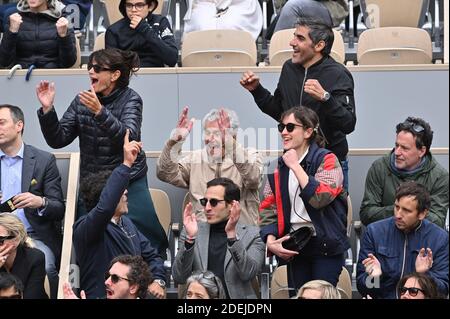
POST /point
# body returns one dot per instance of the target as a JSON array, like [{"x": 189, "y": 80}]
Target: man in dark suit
[{"x": 31, "y": 178}]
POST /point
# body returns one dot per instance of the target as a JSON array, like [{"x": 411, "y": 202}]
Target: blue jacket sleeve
[
  {"x": 439, "y": 271},
  {"x": 366, "y": 286},
  {"x": 94, "y": 225},
  {"x": 152, "y": 258}
]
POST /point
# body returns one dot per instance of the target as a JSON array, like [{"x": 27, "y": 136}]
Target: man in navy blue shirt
[{"x": 105, "y": 232}]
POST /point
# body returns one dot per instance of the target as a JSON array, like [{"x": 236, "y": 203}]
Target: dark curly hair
[
  {"x": 123, "y": 10},
  {"x": 91, "y": 187},
  {"x": 138, "y": 274},
  {"x": 127, "y": 62}
]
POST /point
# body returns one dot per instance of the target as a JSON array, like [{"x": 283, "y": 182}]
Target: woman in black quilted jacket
[
  {"x": 38, "y": 35},
  {"x": 99, "y": 117}
]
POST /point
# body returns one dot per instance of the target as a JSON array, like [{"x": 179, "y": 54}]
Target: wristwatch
[
  {"x": 326, "y": 96},
  {"x": 160, "y": 282}
]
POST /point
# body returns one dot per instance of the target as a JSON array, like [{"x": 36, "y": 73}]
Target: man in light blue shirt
[{"x": 31, "y": 179}]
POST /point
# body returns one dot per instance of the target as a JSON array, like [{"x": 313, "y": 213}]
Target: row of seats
[{"x": 227, "y": 48}]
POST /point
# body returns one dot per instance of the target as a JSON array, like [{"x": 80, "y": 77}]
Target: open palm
[{"x": 45, "y": 92}]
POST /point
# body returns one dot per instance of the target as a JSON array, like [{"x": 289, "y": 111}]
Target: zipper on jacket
[
  {"x": 303, "y": 86},
  {"x": 405, "y": 246}
]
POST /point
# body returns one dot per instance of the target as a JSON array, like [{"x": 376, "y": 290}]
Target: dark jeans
[
  {"x": 302, "y": 269},
  {"x": 344, "y": 165}
]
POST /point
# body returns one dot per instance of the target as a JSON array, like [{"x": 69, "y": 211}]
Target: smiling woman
[
  {"x": 100, "y": 117},
  {"x": 40, "y": 35}
]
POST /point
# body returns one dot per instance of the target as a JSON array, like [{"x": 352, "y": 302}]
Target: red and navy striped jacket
[{"x": 324, "y": 199}]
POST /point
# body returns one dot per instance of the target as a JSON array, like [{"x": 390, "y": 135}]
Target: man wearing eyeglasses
[
  {"x": 30, "y": 181},
  {"x": 232, "y": 251},
  {"x": 144, "y": 32},
  {"x": 399, "y": 245},
  {"x": 411, "y": 159},
  {"x": 105, "y": 232},
  {"x": 222, "y": 156},
  {"x": 127, "y": 278}
]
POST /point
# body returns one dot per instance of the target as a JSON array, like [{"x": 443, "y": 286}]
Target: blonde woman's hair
[
  {"x": 328, "y": 290},
  {"x": 14, "y": 226}
]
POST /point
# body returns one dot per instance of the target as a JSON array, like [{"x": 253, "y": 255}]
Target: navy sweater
[{"x": 97, "y": 240}]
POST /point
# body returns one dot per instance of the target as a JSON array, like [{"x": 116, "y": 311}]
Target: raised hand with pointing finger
[{"x": 131, "y": 149}]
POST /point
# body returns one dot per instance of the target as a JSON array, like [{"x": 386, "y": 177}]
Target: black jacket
[
  {"x": 38, "y": 43},
  {"x": 152, "y": 40},
  {"x": 337, "y": 115},
  {"x": 29, "y": 267},
  {"x": 101, "y": 136},
  {"x": 97, "y": 240}
]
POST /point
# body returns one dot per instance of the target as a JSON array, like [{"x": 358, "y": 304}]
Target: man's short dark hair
[
  {"x": 232, "y": 191},
  {"x": 16, "y": 114},
  {"x": 420, "y": 129},
  {"x": 139, "y": 272},
  {"x": 318, "y": 31},
  {"x": 91, "y": 187},
  {"x": 416, "y": 190},
  {"x": 8, "y": 280}
]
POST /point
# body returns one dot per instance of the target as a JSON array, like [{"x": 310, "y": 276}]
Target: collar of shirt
[{"x": 10, "y": 160}]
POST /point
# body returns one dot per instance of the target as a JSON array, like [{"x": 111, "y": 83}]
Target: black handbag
[{"x": 298, "y": 238}]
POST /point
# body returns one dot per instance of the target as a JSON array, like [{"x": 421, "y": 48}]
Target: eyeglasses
[
  {"x": 139, "y": 6},
  {"x": 289, "y": 127},
  {"x": 417, "y": 128},
  {"x": 3, "y": 238},
  {"x": 16, "y": 296},
  {"x": 97, "y": 68},
  {"x": 413, "y": 291},
  {"x": 212, "y": 201},
  {"x": 115, "y": 278}
]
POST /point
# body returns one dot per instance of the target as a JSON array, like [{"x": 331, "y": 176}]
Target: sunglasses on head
[
  {"x": 413, "y": 291},
  {"x": 417, "y": 128},
  {"x": 289, "y": 127},
  {"x": 97, "y": 68},
  {"x": 212, "y": 201},
  {"x": 3, "y": 238},
  {"x": 115, "y": 278}
]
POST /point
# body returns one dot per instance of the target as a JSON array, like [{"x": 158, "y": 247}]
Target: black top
[
  {"x": 29, "y": 267},
  {"x": 217, "y": 250},
  {"x": 101, "y": 136},
  {"x": 152, "y": 40},
  {"x": 337, "y": 116},
  {"x": 38, "y": 43}
]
